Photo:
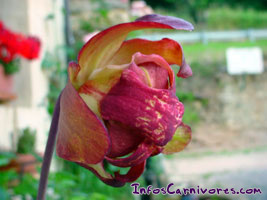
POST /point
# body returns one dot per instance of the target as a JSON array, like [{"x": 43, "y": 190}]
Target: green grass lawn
[{"x": 218, "y": 49}]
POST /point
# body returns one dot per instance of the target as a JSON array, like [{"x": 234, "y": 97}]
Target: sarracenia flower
[{"x": 119, "y": 105}]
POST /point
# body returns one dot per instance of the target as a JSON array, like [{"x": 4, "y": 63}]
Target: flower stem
[{"x": 49, "y": 149}]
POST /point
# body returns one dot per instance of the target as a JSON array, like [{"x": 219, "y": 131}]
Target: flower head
[
  {"x": 15, "y": 44},
  {"x": 119, "y": 105}
]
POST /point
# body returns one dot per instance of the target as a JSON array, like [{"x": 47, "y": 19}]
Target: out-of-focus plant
[
  {"x": 98, "y": 19},
  {"x": 6, "y": 176},
  {"x": 15, "y": 45},
  {"x": 70, "y": 184},
  {"x": 74, "y": 182},
  {"x": 216, "y": 18},
  {"x": 56, "y": 73},
  {"x": 54, "y": 66},
  {"x": 12, "y": 47},
  {"x": 26, "y": 141}
]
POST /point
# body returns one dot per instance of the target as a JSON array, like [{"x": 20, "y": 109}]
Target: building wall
[{"x": 31, "y": 83}]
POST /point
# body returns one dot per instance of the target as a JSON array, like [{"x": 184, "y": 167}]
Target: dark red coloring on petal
[
  {"x": 109, "y": 181},
  {"x": 124, "y": 139},
  {"x": 158, "y": 76},
  {"x": 143, "y": 151},
  {"x": 133, "y": 174},
  {"x": 118, "y": 180},
  {"x": 155, "y": 112}
]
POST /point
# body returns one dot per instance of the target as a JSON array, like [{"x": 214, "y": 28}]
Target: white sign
[{"x": 244, "y": 61}]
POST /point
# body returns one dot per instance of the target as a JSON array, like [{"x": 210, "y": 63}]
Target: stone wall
[{"x": 244, "y": 101}]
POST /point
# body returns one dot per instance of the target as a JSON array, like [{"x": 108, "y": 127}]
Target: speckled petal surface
[
  {"x": 155, "y": 112},
  {"x": 124, "y": 139},
  {"x": 143, "y": 151}
]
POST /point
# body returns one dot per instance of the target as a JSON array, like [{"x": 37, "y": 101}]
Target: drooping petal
[
  {"x": 155, "y": 112},
  {"x": 124, "y": 139},
  {"x": 140, "y": 59},
  {"x": 169, "y": 49},
  {"x": 99, "y": 50},
  {"x": 82, "y": 137},
  {"x": 181, "y": 138},
  {"x": 120, "y": 179},
  {"x": 174, "y": 22},
  {"x": 185, "y": 70},
  {"x": 143, "y": 151},
  {"x": 133, "y": 174},
  {"x": 100, "y": 172}
]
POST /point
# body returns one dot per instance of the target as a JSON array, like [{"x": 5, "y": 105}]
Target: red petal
[
  {"x": 120, "y": 179},
  {"x": 100, "y": 49},
  {"x": 143, "y": 151},
  {"x": 158, "y": 76},
  {"x": 169, "y": 49},
  {"x": 124, "y": 139},
  {"x": 82, "y": 136},
  {"x": 133, "y": 174},
  {"x": 185, "y": 70},
  {"x": 140, "y": 59},
  {"x": 100, "y": 172},
  {"x": 155, "y": 112}
]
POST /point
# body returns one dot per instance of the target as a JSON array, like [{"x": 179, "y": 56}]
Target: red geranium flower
[{"x": 14, "y": 44}]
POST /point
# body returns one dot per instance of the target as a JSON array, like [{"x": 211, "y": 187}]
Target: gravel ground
[{"x": 240, "y": 170}]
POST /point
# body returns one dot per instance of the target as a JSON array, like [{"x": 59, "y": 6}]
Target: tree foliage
[{"x": 195, "y": 8}]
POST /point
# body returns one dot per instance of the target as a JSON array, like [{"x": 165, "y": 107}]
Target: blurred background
[{"x": 225, "y": 100}]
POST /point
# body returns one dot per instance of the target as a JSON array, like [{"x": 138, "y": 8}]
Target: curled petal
[
  {"x": 185, "y": 70},
  {"x": 143, "y": 151},
  {"x": 100, "y": 49},
  {"x": 99, "y": 171},
  {"x": 102, "y": 80},
  {"x": 155, "y": 112},
  {"x": 140, "y": 59},
  {"x": 82, "y": 137},
  {"x": 181, "y": 138},
  {"x": 124, "y": 139},
  {"x": 73, "y": 71},
  {"x": 120, "y": 179},
  {"x": 133, "y": 174},
  {"x": 169, "y": 49},
  {"x": 173, "y": 22}
]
